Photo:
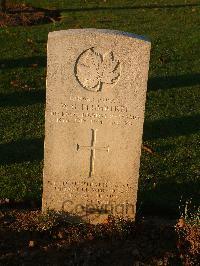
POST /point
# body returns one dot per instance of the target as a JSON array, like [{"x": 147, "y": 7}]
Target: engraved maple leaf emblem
[{"x": 93, "y": 69}]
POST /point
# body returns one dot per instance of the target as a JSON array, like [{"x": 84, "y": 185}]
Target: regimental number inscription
[
  {"x": 92, "y": 148},
  {"x": 94, "y": 70}
]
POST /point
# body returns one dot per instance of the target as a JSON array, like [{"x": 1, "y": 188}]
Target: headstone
[{"x": 95, "y": 101}]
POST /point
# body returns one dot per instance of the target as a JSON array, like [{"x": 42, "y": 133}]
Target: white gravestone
[{"x": 95, "y": 101}]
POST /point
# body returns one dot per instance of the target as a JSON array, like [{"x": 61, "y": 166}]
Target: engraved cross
[{"x": 93, "y": 149}]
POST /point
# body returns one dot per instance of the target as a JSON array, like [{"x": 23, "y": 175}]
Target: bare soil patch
[
  {"x": 29, "y": 238},
  {"x": 21, "y": 14}
]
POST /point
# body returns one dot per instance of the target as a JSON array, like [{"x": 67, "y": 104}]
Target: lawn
[{"x": 169, "y": 174}]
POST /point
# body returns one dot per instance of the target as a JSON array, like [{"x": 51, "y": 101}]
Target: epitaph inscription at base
[{"x": 95, "y": 101}]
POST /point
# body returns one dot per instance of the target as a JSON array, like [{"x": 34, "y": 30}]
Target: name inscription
[{"x": 95, "y": 111}]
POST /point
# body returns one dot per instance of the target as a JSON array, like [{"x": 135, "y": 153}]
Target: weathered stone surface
[{"x": 95, "y": 101}]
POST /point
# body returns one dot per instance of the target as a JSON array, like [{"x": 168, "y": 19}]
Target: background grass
[{"x": 172, "y": 123}]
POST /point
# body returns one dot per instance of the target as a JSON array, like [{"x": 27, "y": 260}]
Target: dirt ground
[
  {"x": 30, "y": 238},
  {"x": 21, "y": 14}
]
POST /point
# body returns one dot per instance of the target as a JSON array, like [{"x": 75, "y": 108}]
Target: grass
[{"x": 172, "y": 118}]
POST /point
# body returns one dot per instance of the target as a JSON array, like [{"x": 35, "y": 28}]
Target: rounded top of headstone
[{"x": 98, "y": 31}]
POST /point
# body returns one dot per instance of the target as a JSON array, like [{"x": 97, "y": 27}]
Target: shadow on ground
[
  {"x": 22, "y": 151},
  {"x": 22, "y": 98},
  {"x": 154, "y": 83},
  {"x": 150, "y": 6},
  {"x": 23, "y": 62},
  {"x": 166, "y": 199},
  {"x": 32, "y": 149},
  {"x": 186, "y": 80},
  {"x": 172, "y": 127}
]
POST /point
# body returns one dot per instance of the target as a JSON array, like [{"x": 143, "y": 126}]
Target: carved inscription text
[{"x": 96, "y": 112}]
